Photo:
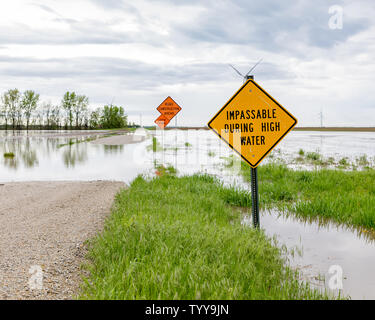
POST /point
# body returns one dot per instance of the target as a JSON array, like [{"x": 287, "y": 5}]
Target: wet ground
[{"x": 319, "y": 248}]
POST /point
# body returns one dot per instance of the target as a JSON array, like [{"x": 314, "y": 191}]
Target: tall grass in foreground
[
  {"x": 345, "y": 196},
  {"x": 179, "y": 238}
]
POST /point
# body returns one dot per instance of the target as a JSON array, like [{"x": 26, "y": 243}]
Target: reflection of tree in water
[
  {"x": 9, "y": 146},
  {"x": 28, "y": 155},
  {"x": 75, "y": 153},
  {"x": 11, "y": 163},
  {"x": 26, "y": 151},
  {"x": 22, "y": 150},
  {"x": 113, "y": 149},
  {"x": 51, "y": 145}
]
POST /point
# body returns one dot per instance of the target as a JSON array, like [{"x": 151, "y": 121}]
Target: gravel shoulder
[{"x": 45, "y": 225}]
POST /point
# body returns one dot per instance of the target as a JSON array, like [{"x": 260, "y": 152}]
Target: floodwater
[
  {"x": 48, "y": 155},
  {"x": 45, "y": 156},
  {"x": 324, "y": 251},
  {"x": 51, "y": 156}
]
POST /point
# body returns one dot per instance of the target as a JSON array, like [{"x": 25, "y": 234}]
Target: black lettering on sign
[
  {"x": 238, "y": 127},
  {"x": 253, "y": 140},
  {"x": 251, "y": 114},
  {"x": 270, "y": 126}
]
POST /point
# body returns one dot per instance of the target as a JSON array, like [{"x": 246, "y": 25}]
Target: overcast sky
[{"x": 135, "y": 53}]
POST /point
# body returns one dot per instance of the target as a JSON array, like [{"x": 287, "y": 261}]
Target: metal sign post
[
  {"x": 168, "y": 110},
  {"x": 175, "y": 143},
  {"x": 254, "y": 186},
  {"x": 255, "y": 196}
]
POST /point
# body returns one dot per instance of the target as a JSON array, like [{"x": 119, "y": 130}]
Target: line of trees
[{"x": 25, "y": 111}]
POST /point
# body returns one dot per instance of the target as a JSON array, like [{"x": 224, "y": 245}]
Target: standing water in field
[{"x": 324, "y": 251}]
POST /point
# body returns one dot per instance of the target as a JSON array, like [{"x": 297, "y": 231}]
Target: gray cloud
[
  {"x": 268, "y": 25},
  {"x": 45, "y": 8},
  {"x": 135, "y": 74},
  {"x": 88, "y": 32},
  {"x": 271, "y": 25},
  {"x": 110, "y": 4}
]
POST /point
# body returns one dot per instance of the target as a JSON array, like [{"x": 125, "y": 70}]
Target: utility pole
[{"x": 321, "y": 118}]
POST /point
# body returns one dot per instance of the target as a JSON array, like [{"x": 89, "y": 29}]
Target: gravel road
[
  {"x": 43, "y": 227},
  {"x": 120, "y": 139}
]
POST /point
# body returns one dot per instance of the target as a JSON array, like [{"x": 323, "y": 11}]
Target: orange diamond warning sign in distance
[
  {"x": 162, "y": 121},
  {"x": 252, "y": 123},
  {"x": 169, "y": 108}
]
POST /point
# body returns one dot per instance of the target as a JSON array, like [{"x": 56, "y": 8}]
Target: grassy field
[
  {"x": 181, "y": 238},
  {"x": 347, "y": 197}
]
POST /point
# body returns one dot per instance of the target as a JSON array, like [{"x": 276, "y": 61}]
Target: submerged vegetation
[
  {"x": 155, "y": 146},
  {"x": 162, "y": 170},
  {"x": 314, "y": 156},
  {"x": 75, "y": 141},
  {"x": 317, "y": 159},
  {"x": 9, "y": 155},
  {"x": 180, "y": 238},
  {"x": 343, "y": 196}
]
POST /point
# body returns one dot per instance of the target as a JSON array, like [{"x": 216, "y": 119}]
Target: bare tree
[
  {"x": 47, "y": 110},
  {"x": 56, "y": 117}
]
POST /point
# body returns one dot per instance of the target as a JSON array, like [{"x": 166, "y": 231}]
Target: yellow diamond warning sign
[{"x": 252, "y": 123}]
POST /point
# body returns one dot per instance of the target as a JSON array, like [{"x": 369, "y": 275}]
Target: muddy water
[
  {"x": 49, "y": 156},
  {"x": 319, "y": 247}
]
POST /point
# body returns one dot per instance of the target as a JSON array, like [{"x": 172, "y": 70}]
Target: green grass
[
  {"x": 346, "y": 197},
  {"x": 164, "y": 170},
  {"x": 313, "y": 156},
  {"x": 9, "y": 155},
  {"x": 180, "y": 238},
  {"x": 155, "y": 146},
  {"x": 363, "y": 161},
  {"x": 316, "y": 159},
  {"x": 343, "y": 162},
  {"x": 71, "y": 142}
]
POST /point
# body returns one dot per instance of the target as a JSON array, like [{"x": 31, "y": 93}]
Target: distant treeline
[{"x": 25, "y": 111}]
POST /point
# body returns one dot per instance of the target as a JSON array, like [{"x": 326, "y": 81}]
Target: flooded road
[{"x": 47, "y": 156}]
